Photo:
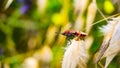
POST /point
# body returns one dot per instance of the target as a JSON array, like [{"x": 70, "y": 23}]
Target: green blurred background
[{"x": 30, "y": 30}]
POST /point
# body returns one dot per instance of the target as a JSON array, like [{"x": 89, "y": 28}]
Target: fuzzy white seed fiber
[{"x": 75, "y": 55}]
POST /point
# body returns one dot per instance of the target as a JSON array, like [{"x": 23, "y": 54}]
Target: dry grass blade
[
  {"x": 9, "y": 2},
  {"x": 114, "y": 47},
  {"x": 90, "y": 16},
  {"x": 108, "y": 31},
  {"x": 102, "y": 50},
  {"x": 100, "y": 11},
  {"x": 80, "y": 6}
]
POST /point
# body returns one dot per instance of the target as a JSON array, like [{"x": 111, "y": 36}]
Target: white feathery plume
[
  {"x": 107, "y": 28},
  {"x": 75, "y": 55},
  {"x": 110, "y": 46}
]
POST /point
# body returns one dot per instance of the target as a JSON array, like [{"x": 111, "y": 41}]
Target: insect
[{"x": 72, "y": 34}]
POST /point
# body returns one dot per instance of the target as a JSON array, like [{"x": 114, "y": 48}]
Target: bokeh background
[{"x": 30, "y": 30}]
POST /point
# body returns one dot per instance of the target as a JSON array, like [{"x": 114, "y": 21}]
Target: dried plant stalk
[
  {"x": 92, "y": 9},
  {"x": 80, "y": 7},
  {"x": 79, "y": 24},
  {"x": 9, "y": 2}
]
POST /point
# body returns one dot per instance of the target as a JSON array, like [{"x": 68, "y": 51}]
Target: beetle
[{"x": 72, "y": 34}]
